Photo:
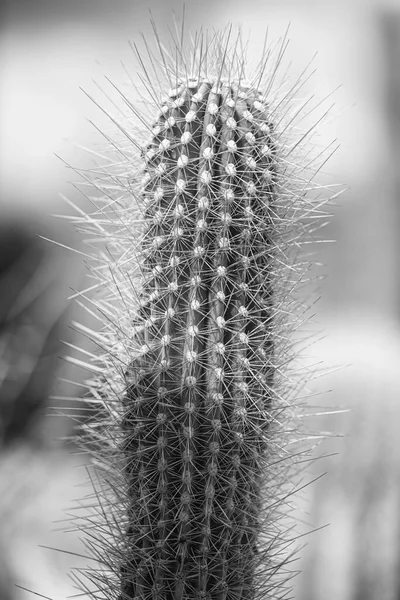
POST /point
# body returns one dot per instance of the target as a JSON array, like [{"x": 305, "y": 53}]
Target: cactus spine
[{"x": 196, "y": 314}]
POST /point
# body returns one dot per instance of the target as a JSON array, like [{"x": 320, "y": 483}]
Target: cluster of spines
[
  {"x": 196, "y": 298},
  {"x": 198, "y": 397}
]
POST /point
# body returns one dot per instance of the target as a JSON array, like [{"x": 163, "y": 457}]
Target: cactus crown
[{"x": 195, "y": 295}]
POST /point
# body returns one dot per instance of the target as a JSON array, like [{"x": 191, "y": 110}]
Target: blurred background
[{"x": 51, "y": 48}]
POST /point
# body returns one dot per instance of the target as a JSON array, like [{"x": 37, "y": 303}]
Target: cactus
[
  {"x": 196, "y": 298},
  {"x": 198, "y": 402}
]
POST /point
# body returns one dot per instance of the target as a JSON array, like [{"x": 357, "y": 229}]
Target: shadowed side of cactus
[{"x": 201, "y": 230}]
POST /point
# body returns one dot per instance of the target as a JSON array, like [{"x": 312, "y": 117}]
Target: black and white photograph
[{"x": 200, "y": 299}]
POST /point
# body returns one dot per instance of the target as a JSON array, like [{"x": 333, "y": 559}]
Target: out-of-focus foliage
[{"x": 31, "y": 320}]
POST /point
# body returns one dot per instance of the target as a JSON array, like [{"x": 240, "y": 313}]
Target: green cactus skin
[{"x": 197, "y": 309}]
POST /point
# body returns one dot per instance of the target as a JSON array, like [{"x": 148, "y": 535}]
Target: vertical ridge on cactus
[{"x": 195, "y": 280}]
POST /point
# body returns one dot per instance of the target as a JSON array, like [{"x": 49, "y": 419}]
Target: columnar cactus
[
  {"x": 197, "y": 406},
  {"x": 197, "y": 303}
]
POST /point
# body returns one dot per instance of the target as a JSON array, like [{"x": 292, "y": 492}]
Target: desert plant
[{"x": 195, "y": 279}]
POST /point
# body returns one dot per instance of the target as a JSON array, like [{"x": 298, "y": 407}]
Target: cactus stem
[{"x": 196, "y": 290}]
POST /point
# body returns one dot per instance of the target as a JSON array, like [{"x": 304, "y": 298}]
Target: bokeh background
[{"x": 51, "y": 48}]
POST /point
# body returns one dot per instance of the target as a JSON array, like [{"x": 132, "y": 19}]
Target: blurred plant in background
[{"x": 32, "y": 317}]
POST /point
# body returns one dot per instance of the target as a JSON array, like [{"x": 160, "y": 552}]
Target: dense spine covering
[
  {"x": 197, "y": 307},
  {"x": 201, "y": 390}
]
